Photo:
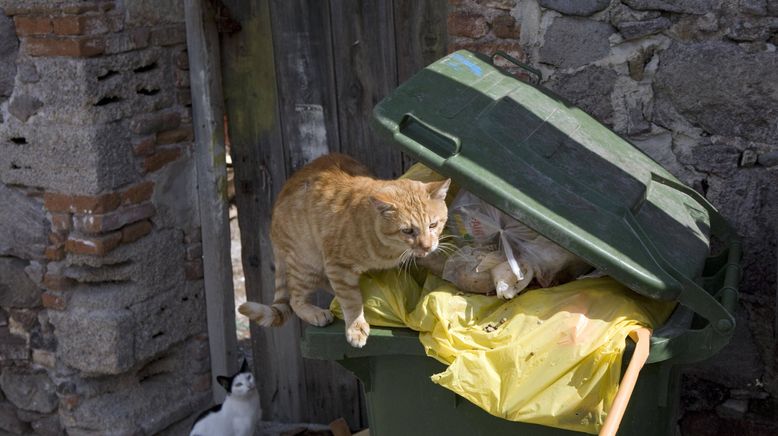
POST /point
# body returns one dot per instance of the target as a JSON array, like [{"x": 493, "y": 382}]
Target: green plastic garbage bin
[{"x": 553, "y": 167}]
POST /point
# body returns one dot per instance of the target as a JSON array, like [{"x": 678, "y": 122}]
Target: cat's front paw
[{"x": 357, "y": 333}]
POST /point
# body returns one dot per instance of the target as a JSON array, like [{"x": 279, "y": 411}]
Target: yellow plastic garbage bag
[{"x": 550, "y": 356}]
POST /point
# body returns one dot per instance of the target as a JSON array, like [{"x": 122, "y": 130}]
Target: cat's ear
[
  {"x": 244, "y": 367},
  {"x": 382, "y": 205},
  {"x": 438, "y": 190},
  {"x": 226, "y": 382}
]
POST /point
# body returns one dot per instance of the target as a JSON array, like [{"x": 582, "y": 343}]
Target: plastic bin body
[
  {"x": 402, "y": 401},
  {"x": 551, "y": 166}
]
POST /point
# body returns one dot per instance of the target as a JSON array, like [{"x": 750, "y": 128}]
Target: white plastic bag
[{"x": 528, "y": 254}]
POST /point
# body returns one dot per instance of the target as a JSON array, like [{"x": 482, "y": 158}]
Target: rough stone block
[
  {"x": 145, "y": 146},
  {"x": 772, "y": 7},
  {"x": 573, "y": 42},
  {"x": 138, "y": 193},
  {"x": 467, "y": 24},
  {"x": 21, "y": 322},
  {"x": 498, "y": 4},
  {"x": 117, "y": 219},
  {"x": 169, "y": 35},
  {"x": 95, "y": 341},
  {"x": 769, "y": 159},
  {"x": 32, "y": 25},
  {"x": 133, "y": 232},
  {"x": 67, "y": 47},
  {"x": 181, "y": 79},
  {"x": 95, "y": 204},
  {"x": 48, "y": 426},
  {"x": 136, "y": 39},
  {"x": 16, "y": 288},
  {"x": 95, "y": 245},
  {"x": 160, "y": 158},
  {"x": 182, "y": 60},
  {"x": 129, "y": 274},
  {"x": 23, "y": 227},
  {"x": 45, "y": 358},
  {"x": 748, "y": 158},
  {"x": 13, "y": 348},
  {"x": 57, "y": 282},
  {"x": 29, "y": 391},
  {"x": 505, "y": 26},
  {"x": 54, "y": 252},
  {"x": 168, "y": 318},
  {"x": 194, "y": 251},
  {"x": 733, "y": 101},
  {"x": 9, "y": 421},
  {"x": 9, "y": 48},
  {"x": 54, "y": 301},
  {"x": 201, "y": 383},
  {"x": 181, "y": 134},
  {"x": 749, "y": 29},
  {"x": 582, "y": 8},
  {"x": 153, "y": 123},
  {"x": 194, "y": 269},
  {"x": 175, "y": 183},
  {"x": 639, "y": 29},
  {"x": 590, "y": 89},
  {"x": 153, "y": 12},
  {"x": 24, "y": 106},
  {"x": 696, "y": 7},
  {"x": 82, "y": 25},
  {"x": 45, "y": 152}
]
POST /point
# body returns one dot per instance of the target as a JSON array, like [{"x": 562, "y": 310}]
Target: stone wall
[
  {"x": 693, "y": 83},
  {"x": 102, "y": 314}
]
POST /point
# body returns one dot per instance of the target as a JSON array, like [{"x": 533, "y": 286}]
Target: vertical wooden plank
[
  {"x": 252, "y": 107},
  {"x": 420, "y": 29},
  {"x": 309, "y": 123},
  {"x": 208, "y": 111},
  {"x": 420, "y": 38},
  {"x": 365, "y": 72},
  {"x": 306, "y": 82}
]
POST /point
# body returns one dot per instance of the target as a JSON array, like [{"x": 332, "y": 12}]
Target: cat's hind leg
[{"x": 302, "y": 284}]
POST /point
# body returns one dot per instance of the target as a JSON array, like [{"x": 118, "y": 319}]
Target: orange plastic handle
[{"x": 642, "y": 338}]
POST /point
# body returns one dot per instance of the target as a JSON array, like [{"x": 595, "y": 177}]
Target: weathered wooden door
[{"x": 300, "y": 79}]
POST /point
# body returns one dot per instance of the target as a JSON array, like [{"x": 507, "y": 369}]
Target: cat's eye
[
  {"x": 433, "y": 225},
  {"x": 408, "y": 231},
  {"x": 238, "y": 384}
]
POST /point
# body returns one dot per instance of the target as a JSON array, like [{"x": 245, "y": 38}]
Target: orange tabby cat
[{"x": 331, "y": 222}]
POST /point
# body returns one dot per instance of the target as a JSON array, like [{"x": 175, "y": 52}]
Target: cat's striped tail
[{"x": 275, "y": 314}]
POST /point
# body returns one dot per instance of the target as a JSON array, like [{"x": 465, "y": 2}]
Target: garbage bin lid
[{"x": 553, "y": 167}]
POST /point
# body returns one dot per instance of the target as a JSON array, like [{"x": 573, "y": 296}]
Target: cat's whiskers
[
  {"x": 402, "y": 260},
  {"x": 448, "y": 248}
]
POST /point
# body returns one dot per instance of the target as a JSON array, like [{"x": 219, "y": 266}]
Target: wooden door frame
[{"x": 213, "y": 204}]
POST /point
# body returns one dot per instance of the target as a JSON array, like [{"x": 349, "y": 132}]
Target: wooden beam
[
  {"x": 210, "y": 158},
  {"x": 420, "y": 39},
  {"x": 365, "y": 72},
  {"x": 258, "y": 155}
]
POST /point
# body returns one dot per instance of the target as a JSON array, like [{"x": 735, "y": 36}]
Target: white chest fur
[{"x": 238, "y": 416}]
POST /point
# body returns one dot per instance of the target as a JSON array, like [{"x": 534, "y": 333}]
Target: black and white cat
[{"x": 240, "y": 412}]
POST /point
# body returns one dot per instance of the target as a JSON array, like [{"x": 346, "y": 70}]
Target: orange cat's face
[{"x": 412, "y": 215}]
